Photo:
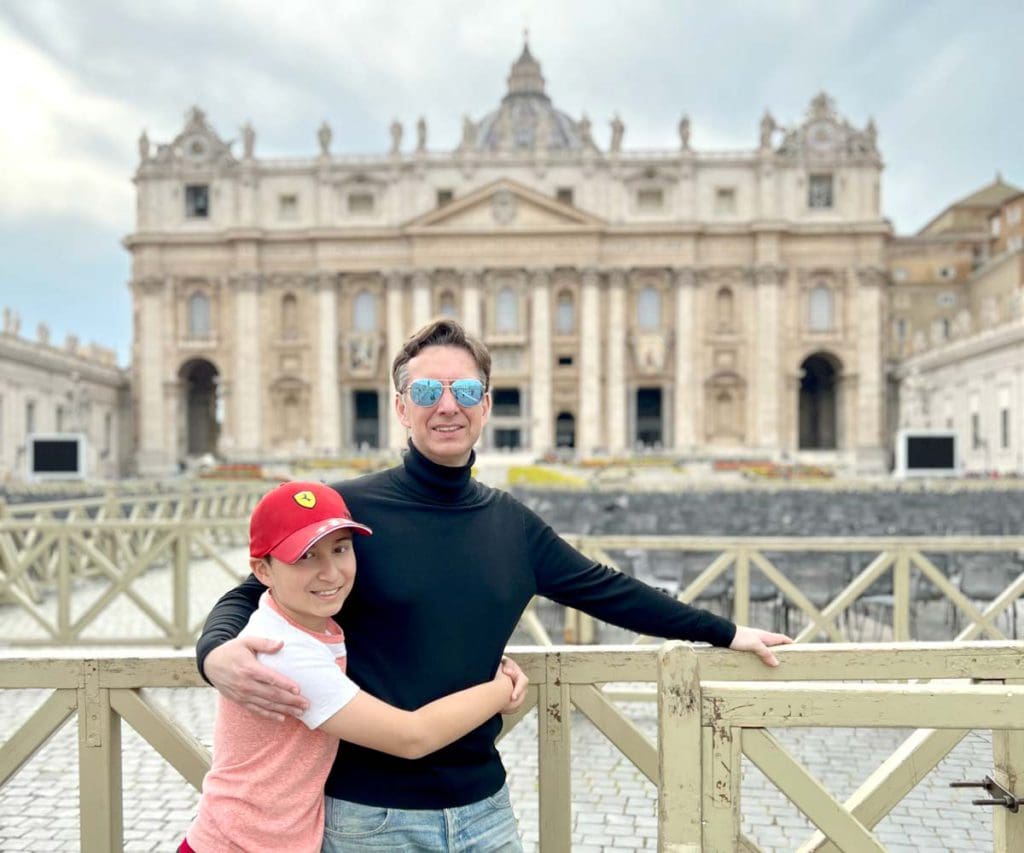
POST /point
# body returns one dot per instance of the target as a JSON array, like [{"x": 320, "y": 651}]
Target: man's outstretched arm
[{"x": 229, "y": 662}]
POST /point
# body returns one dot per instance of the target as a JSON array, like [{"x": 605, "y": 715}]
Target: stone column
[
  {"x": 767, "y": 383},
  {"x": 326, "y": 405},
  {"x": 618, "y": 405},
  {"x": 871, "y": 456},
  {"x": 590, "y": 409},
  {"x": 157, "y": 435},
  {"x": 421, "y": 310},
  {"x": 542, "y": 426},
  {"x": 686, "y": 381},
  {"x": 396, "y": 335},
  {"x": 247, "y": 387},
  {"x": 471, "y": 301}
]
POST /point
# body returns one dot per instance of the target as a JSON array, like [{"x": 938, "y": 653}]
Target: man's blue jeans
[{"x": 487, "y": 826}]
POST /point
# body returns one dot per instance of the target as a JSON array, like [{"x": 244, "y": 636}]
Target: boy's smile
[{"x": 312, "y": 589}]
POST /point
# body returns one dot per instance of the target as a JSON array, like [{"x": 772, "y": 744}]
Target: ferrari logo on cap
[{"x": 305, "y": 499}]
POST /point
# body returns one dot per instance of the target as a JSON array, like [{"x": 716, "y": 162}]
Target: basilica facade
[{"x": 705, "y": 303}]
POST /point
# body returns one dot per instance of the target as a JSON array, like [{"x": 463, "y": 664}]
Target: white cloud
[{"x": 49, "y": 116}]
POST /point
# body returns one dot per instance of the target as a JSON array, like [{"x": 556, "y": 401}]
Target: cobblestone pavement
[{"x": 614, "y": 806}]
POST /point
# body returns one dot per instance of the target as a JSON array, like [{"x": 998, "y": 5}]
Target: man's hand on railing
[
  {"x": 746, "y": 640},
  {"x": 233, "y": 669}
]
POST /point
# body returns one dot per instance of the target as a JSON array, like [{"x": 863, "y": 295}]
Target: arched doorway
[
  {"x": 819, "y": 402},
  {"x": 199, "y": 384},
  {"x": 565, "y": 430}
]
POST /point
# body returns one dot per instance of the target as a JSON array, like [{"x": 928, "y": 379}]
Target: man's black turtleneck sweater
[{"x": 439, "y": 589}]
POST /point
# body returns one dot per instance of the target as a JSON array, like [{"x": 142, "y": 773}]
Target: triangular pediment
[{"x": 504, "y": 205}]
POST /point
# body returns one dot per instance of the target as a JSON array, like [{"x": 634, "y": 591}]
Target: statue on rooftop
[
  {"x": 144, "y": 147},
  {"x": 421, "y": 134},
  {"x": 248, "y": 140},
  {"x": 324, "y": 136},
  {"x": 396, "y": 136},
  {"x": 684, "y": 133},
  {"x": 768, "y": 127},
  {"x": 618, "y": 130}
]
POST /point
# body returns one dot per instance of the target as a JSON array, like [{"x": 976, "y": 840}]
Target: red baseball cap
[{"x": 292, "y": 518}]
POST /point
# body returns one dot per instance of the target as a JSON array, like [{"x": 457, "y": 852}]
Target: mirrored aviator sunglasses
[{"x": 427, "y": 392}]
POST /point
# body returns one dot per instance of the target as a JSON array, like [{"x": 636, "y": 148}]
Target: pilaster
[
  {"x": 590, "y": 364},
  {"x": 471, "y": 279},
  {"x": 542, "y": 426},
  {"x": 421, "y": 313},
  {"x": 687, "y": 387},
  {"x": 156, "y": 433},
  {"x": 617, "y": 407},
  {"x": 768, "y": 378},
  {"x": 326, "y": 404},
  {"x": 396, "y": 335},
  {"x": 248, "y": 401},
  {"x": 870, "y": 389}
]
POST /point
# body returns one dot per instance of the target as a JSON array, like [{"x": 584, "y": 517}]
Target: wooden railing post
[
  {"x": 901, "y": 595},
  {"x": 1008, "y": 759},
  {"x": 680, "y": 761},
  {"x": 101, "y": 821},
  {"x": 182, "y": 560},
  {"x": 554, "y": 793},
  {"x": 741, "y": 587}
]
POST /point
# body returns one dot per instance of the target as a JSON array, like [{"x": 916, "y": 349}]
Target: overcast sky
[{"x": 83, "y": 78}]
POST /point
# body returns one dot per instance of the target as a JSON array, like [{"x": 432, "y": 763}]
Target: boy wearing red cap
[{"x": 264, "y": 790}]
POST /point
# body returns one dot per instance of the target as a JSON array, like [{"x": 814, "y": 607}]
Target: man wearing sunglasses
[{"x": 441, "y": 588}]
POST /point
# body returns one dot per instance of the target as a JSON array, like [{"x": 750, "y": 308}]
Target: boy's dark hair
[{"x": 443, "y": 332}]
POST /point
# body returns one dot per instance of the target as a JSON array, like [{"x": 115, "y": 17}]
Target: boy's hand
[
  {"x": 519, "y": 684},
  {"x": 233, "y": 669},
  {"x": 757, "y": 641}
]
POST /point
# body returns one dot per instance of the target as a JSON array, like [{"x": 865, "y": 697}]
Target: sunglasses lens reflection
[{"x": 427, "y": 392}]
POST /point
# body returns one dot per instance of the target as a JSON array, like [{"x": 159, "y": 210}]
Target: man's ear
[
  {"x": 400, "y": 406},
  {"x": 260, "y": 569}
]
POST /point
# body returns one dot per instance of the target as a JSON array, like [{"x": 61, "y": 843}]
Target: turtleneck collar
[{"x": 438, "y": 481}]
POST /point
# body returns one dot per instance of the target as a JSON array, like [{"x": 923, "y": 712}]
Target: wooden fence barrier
[{"x": 714, "y": 707}]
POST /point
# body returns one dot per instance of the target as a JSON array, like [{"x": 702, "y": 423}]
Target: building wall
[
  {"x": 69, "y": 389},
  {"x": 726, "y": 244}
]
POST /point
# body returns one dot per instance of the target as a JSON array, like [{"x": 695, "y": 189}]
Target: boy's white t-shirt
[
  {"x": 265, "y": 789},
  {"x": 309, "y": 659}
]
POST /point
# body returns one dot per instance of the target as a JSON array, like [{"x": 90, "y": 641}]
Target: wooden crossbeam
[
  {"x": 618, "y": 728},
  {"x": 896, "y": 777},
  {"x": 33, "y": 734},
  {"x": 807, "y": 793},
  {"x": 176, "y": 746}
]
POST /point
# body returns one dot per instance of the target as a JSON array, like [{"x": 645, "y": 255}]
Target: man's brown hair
[{"x": 440, "y": 333}]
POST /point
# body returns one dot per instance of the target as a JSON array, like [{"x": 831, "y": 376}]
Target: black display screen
[
  {"x": 937, "y": 452},
  {"x": 55, "y": 456}
]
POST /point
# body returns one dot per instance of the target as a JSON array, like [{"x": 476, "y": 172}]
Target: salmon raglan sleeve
[{"x": 565, "y": 575}]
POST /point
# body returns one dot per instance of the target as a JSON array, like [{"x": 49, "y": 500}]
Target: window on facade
[
  {"x": 901, "y": 328},
  {"x": 946, "y": 299},
  {"x": 289, "y": 316},
  {"x": 819, "y": 192},
  {"x": 565, "y": 314},
  {"x": 724, "y": 308},
  {"x": 506, "y": 311},
  {"x": 108, "y": 433},
  {"x": 199, "y": 316},
  {"x": 444, "y": 197},
  {"x": 564, "y": 195},
  {"x": 361, "y": 203},
  {"x": 30, "y": 417},
  {"x": 446, "y": 304},
  {"x": 197, "y": 201},
  {"x": 288, "y": 207},
  {"x": 946, "y": 328},
  {"x": 565, "y": 361},
  {"x": 997, "y": 226},
  {"x": 820, "y": 305},
  {"x": 947, "y": 272},
  {"x": 899, "y": 274},
  {"x": 364, "y": 312},
  {"x": 507, "y": 439},
  {"x": 1013, "y": 215},
  {"x": 648, "y": 308},
  {"x": 650, "y": 200},
  {"x": 725, "y": 200},
  {"x": 505, "y": 402}
]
